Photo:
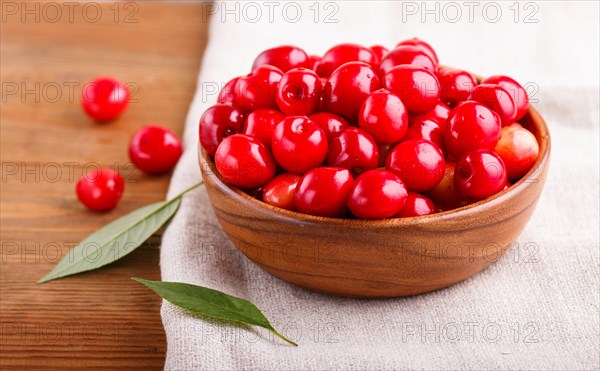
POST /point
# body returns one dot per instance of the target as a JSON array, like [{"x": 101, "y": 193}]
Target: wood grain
[
  {"x": 379, "y": 258},
  {"x": 100, "y": 319}
]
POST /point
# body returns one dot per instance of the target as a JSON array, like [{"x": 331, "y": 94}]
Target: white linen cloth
[{"x": 536, "y": 308}]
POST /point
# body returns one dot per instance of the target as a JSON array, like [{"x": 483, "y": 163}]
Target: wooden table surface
[{"x": 102, "y": 318}]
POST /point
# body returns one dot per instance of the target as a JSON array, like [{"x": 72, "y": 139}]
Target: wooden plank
[{"x": 100, "y": 319}]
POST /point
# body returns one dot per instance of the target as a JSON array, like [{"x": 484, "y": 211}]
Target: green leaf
[
  {"x": 211, "y": 303},
  {"x": 117, "y": 239}
]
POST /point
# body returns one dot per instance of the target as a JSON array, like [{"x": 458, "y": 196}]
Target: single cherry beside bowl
[
  {"x": 155, "y": 149},
  {"x": 100, "y": 189},
  {"x": 104, "y": 99}
]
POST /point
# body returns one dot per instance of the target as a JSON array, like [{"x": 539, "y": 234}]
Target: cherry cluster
[{"x": 368, "y": 133}]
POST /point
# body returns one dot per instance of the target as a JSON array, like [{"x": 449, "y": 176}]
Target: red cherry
[
  {"x": 280, "y": 191},
  {"x": 416, "y": 205},
  {"x": 348, "y": 87},
  {"x": 419, "y": 163},
  {"x": 283, "y": 57},
  {"x": 479, "y": 174},
  {"x": 355, "y": 150},
  {"x": 227, "y": 94},
  {"x": 498, "y": 100},
  {"x": 517, "y": 92},
  {"x": 100, "y": 189},
  {"x": 426, "y": 129},
  {"x": 258, "y": 88},
  {"x": 518, "y": 149},
  {"x": 104, "y": 99},
  {"x": 299, "y": 92},
  {"x": 217, "y": 123},
  {"x": 470, "y": 126},
  {"x": 417, "y": 87},
  {"x": 384, "y": 116},
  {"x": 324, "y": 191},
  {"x": 379, "y": 51},
  {"x": 299, "y": 144},
  {"x": 444, "y": 194},
  {"x": 155, "y": 149},
  {"x": 261, "y": 123},
  {"x": 344, "y": 53},
  {"x": 244, "y": 161},
  {"x": 330, "y": 123},
  {"x": 439, "y": 113},
  {"x": 422, "y": 45},
  {"x": 405, "y": 55},
  {"x": 456, "y": 85},
  {"x": 377, "y": 194}
]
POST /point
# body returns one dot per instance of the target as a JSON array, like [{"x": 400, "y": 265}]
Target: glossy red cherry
[
  {"x": 379, "y": 51},
  {"x": 517, "y": 92},
  {"x": 419, "y": 163},
  {"x": 217, "y": 123},
  {"x": 280, "y": 191},
  {"x": 384, "y": 116},
  {"x": 456, "y": 85},
  {"x": 518, "y": 149},
  {"x": 416, "y": 205},
  {"x": 444, "y": 194},
  {"x": 479, "y": 174},
  {"x": 355, "y": 150},
  {"x": 324, "y": 191},
  {"x": 348, "y": 87},
  {"x": 283, "y": 57},
  {"x": 377, "y": 194},
  {"x": 330, "y": 123},
  {"x": 422, "y": 45},
  {"x": 299, "y": 92},
  {"x": 100, "y": 189},
  {"x": 155, "y": 149},
  {"x": 405, "y": 55},
  {"x": 261, "y": 123},
  {"x": 227, "y": 93},
  {"x": 470, "y": 126},
  {"x": 427, "y": 129},
  {"x": 244, "y": 161},
  {"x": 498, "y": 100},
  {"x": 299, "y": 144},
  {"x": 258, "y": 88},
  {"x": 105, "y": 99},
  {"x": 417, "y": 87},
  {"x": 344, "y": 53}
]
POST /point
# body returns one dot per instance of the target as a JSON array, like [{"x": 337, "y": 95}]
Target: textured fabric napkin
[{"x": 536, "y": 308}]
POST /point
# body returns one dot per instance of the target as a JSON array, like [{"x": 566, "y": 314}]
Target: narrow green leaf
[
  {"x": 117, "y": 239},
  {"x": 211, "y": 303}
]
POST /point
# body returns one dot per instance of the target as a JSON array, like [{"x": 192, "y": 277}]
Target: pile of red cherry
[{"x": 374, "y": 132}]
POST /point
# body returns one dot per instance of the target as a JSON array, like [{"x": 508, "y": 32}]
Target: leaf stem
[
  {"x": 187, "y": 190},
  {"x": 283, "y": 337}
]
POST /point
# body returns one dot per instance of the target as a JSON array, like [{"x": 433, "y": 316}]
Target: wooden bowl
[{"x": 379, "y": 258}]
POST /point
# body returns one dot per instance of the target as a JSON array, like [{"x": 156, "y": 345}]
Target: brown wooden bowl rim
[{"x": 543, "y": 141}]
